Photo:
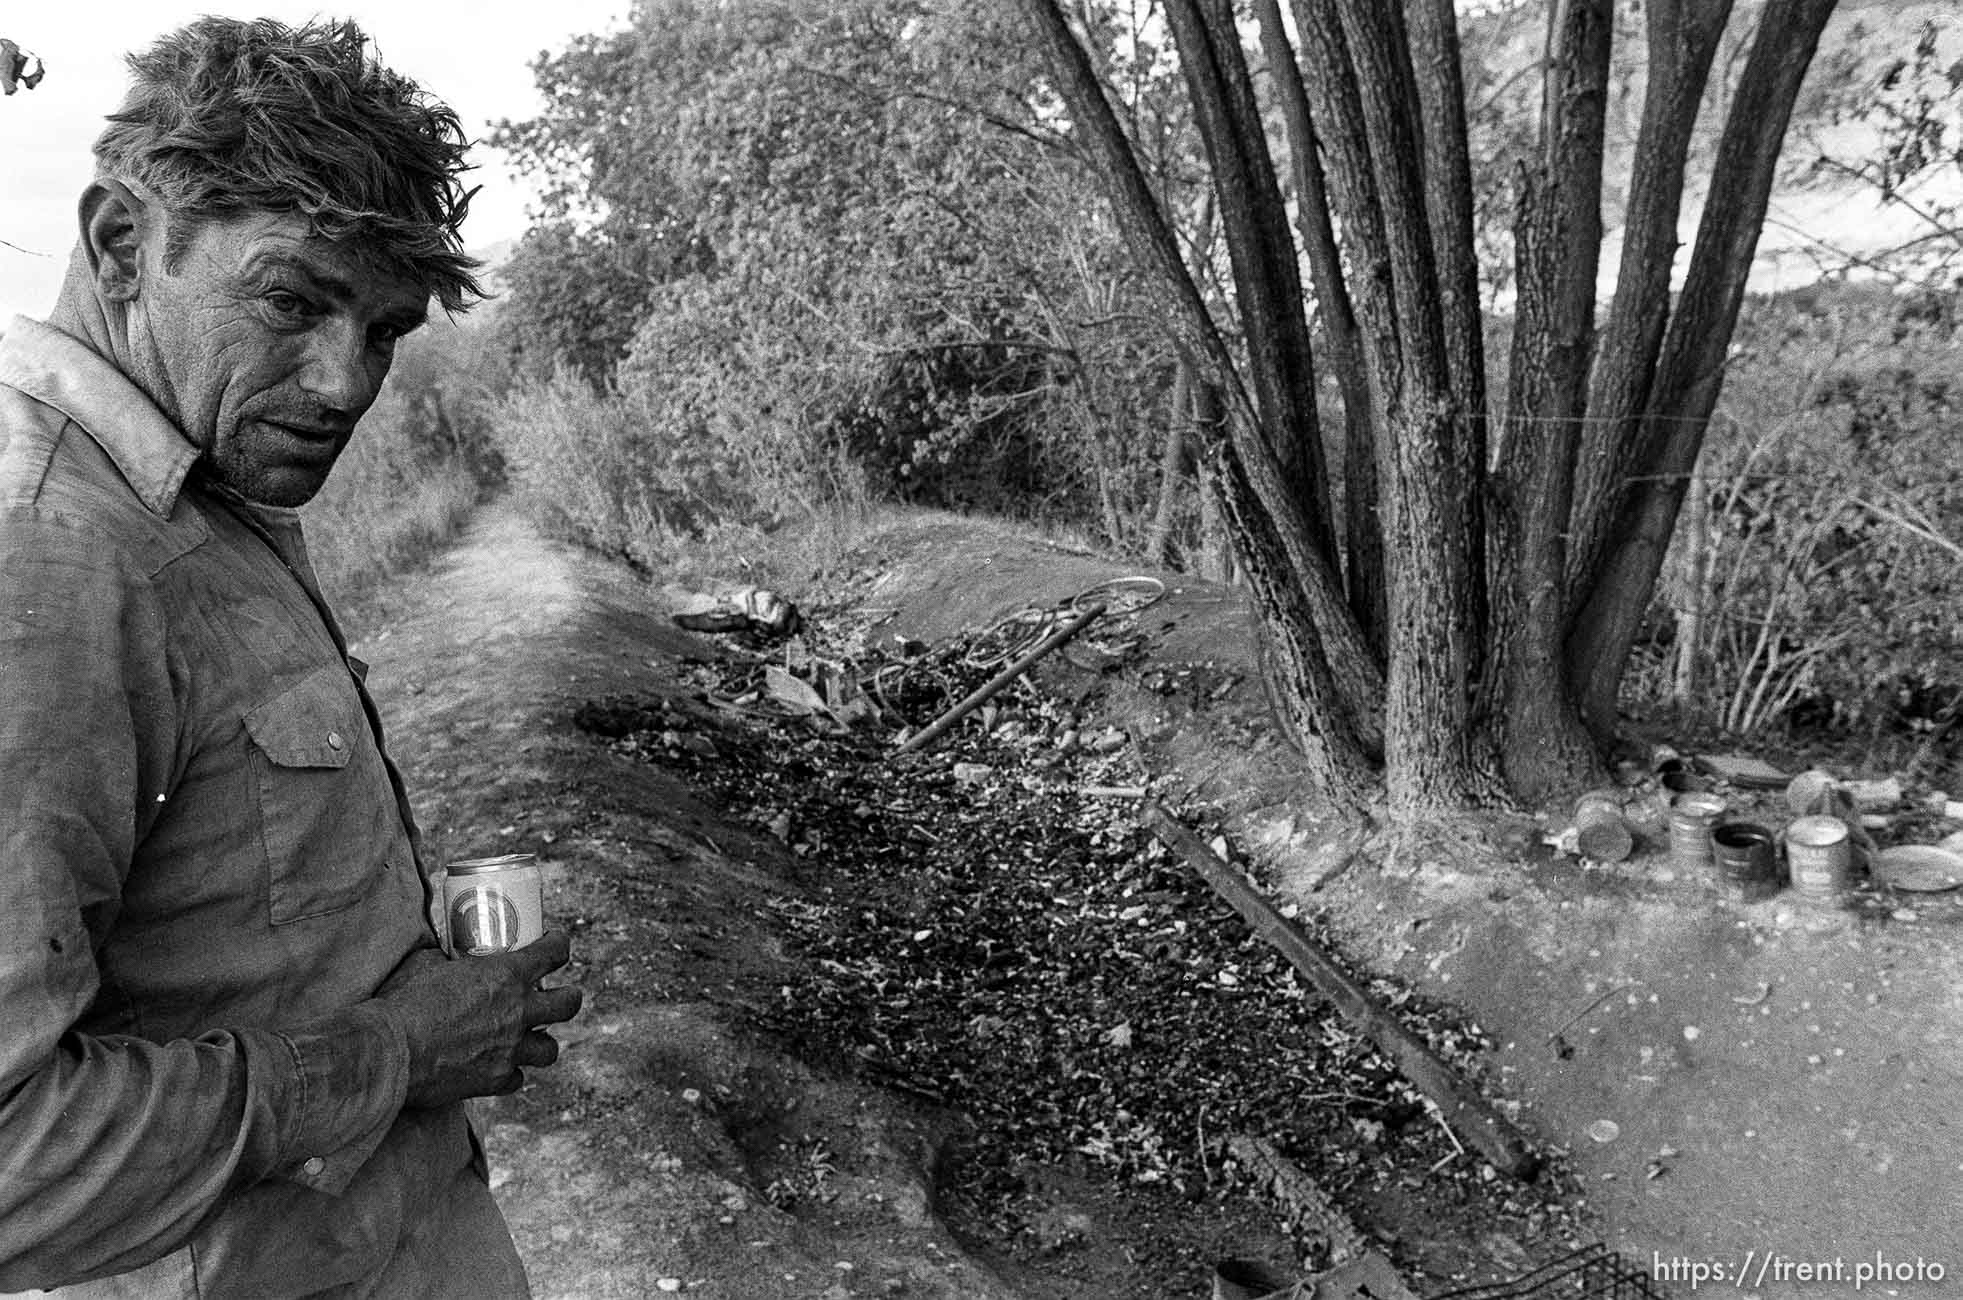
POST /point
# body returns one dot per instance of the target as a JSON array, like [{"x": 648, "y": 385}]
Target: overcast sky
[{"x": 473, "y": 53}]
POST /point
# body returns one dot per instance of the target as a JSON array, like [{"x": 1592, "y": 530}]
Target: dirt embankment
[{"x": 1780, "y": 1081}]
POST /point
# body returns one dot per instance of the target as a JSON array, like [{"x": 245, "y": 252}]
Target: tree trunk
[
  {"x": 1216, "y": 546},
  {"x": 1690, "y": 370},
  {"x": 1363, "y": 542},
  {"x": 1304, "y": 679},
  {"x": 1172, "y": 463},
  {"x": 1433, "y": 640},
  {"x": 1267, "y": 285},
  {"x": 1286, "y": 550},
  {"x": 1693, "y": 586},
  {"x": 1558, "y": 234},
  {"x": 1434, "y": 42},
  {"x": 1682, "y": 39}
]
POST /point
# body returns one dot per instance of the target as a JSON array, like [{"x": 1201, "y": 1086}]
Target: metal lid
[
  {"x": 1696, "y": 803},
  {"x": 1816, "y": 832},
  {"x": 472, "y": 866}
]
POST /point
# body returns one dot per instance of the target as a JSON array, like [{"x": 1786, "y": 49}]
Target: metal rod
[
  {"x": 1495, "y": 1139},
  {"x": 934, "y": 730}
]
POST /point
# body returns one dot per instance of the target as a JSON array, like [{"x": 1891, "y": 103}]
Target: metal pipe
[{"x": 934, "y": 730}]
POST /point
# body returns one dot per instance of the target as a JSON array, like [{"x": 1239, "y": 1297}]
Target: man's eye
[{"x": 286, "y": 304}]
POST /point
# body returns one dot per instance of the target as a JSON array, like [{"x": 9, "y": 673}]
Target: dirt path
[
  {"x": 646, "y": 1161},
  {"x": 1801, "y": 1072}
]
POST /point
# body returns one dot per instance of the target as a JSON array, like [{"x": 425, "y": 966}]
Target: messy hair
[{"x": 229, "y": 116}]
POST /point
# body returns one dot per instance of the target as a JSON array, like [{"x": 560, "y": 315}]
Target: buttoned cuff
[{"x": 351, "y": 1076}]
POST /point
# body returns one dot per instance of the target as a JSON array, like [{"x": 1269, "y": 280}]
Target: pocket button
[{"x": 334, "y": 740}]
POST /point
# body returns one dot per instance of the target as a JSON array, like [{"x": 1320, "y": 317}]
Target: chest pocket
[{"x": 325, "y": 807}]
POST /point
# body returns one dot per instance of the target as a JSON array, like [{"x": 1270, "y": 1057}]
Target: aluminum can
[{"x": 493, "y": 904}]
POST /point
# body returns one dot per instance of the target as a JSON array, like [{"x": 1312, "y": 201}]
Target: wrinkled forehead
[{"x": 285, "y": 246}]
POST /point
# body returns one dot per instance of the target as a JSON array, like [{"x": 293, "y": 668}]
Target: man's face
[{"x": 266, "y": 344}]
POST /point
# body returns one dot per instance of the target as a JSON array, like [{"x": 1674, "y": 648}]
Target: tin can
[
  {"x": 493, "y": 904},
  {"x": 1691, "y": 817},
  {"x": 1820, "y": 857},
  {"x": 1601, "y": 830},
  {"x": 1748, "y": 863}
]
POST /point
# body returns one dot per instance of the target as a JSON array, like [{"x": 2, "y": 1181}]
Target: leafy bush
[
  {"x": 855, "y": 259},
  {"x": 1815, "y": 572},
  {"x": 416, "y": 465}
]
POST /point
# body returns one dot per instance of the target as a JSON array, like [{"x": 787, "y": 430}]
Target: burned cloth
[{"x": 207, "y": 868}]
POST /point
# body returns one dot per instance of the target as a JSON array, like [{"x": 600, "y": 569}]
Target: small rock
[
  {"x": 668, "y": 1284},
  {"x": 1692, "y": 1033},
  {"x": 972, "y": 773},
  {"x": 1604, "y": 1131}
]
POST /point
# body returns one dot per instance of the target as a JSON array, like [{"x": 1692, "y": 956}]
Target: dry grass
[{"x": 356, "y": 542}]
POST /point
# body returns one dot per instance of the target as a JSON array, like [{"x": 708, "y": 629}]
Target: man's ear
[{"x": 115, "y": 224}]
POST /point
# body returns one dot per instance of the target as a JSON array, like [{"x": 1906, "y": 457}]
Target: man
[{"x": 233, "y": 1057}]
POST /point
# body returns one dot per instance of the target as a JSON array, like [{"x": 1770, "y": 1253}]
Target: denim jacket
[{"x": 207, "y": 867}]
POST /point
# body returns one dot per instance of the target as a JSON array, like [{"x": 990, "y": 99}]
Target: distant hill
[{"x": 1821, "y": 219}]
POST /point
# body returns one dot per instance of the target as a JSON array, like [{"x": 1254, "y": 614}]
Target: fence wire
[{"x": 1594, "y": 1272}]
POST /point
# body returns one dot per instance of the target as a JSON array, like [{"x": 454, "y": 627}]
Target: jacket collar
[{"x": 59, "y": 370}]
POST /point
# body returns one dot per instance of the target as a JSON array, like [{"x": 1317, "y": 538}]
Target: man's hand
[{"x": 473, "y": 1023}]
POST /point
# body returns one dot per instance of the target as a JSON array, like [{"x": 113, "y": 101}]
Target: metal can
[
  {"x": 1692, "y": 815},
  {"x": 493, "y": 904},
  {"x": 1820, "y": 858}
]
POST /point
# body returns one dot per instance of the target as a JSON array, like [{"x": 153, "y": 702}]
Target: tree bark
[
  {"x": 1216, "y": 547},
  {"x": 1545, "y": 749},
  {"x": 1690, "y": 370},
  {"x": 1330, "y": 81},
  {"x": 1304, "y": 677},
  {"x": 1172, "y": 463},
  {"x": 1267, "y": 284},
  {"x": 1433, "y": 33},
  {"x": 1693, "y": 584},
  {"x": 1278, "y": 547},
  {"x": 1363, "y": 543},
  {"x": 1433, "y": 640},
  {"x": 1682, "y": 38}
]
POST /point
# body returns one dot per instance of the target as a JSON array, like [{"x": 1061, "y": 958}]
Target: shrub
[
  {"x": 1816, "y": 564},
  {"x": 416, "y": 465}
]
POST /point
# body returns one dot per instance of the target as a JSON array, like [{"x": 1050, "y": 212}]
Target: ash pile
[{"x": 986, "y": 924}]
